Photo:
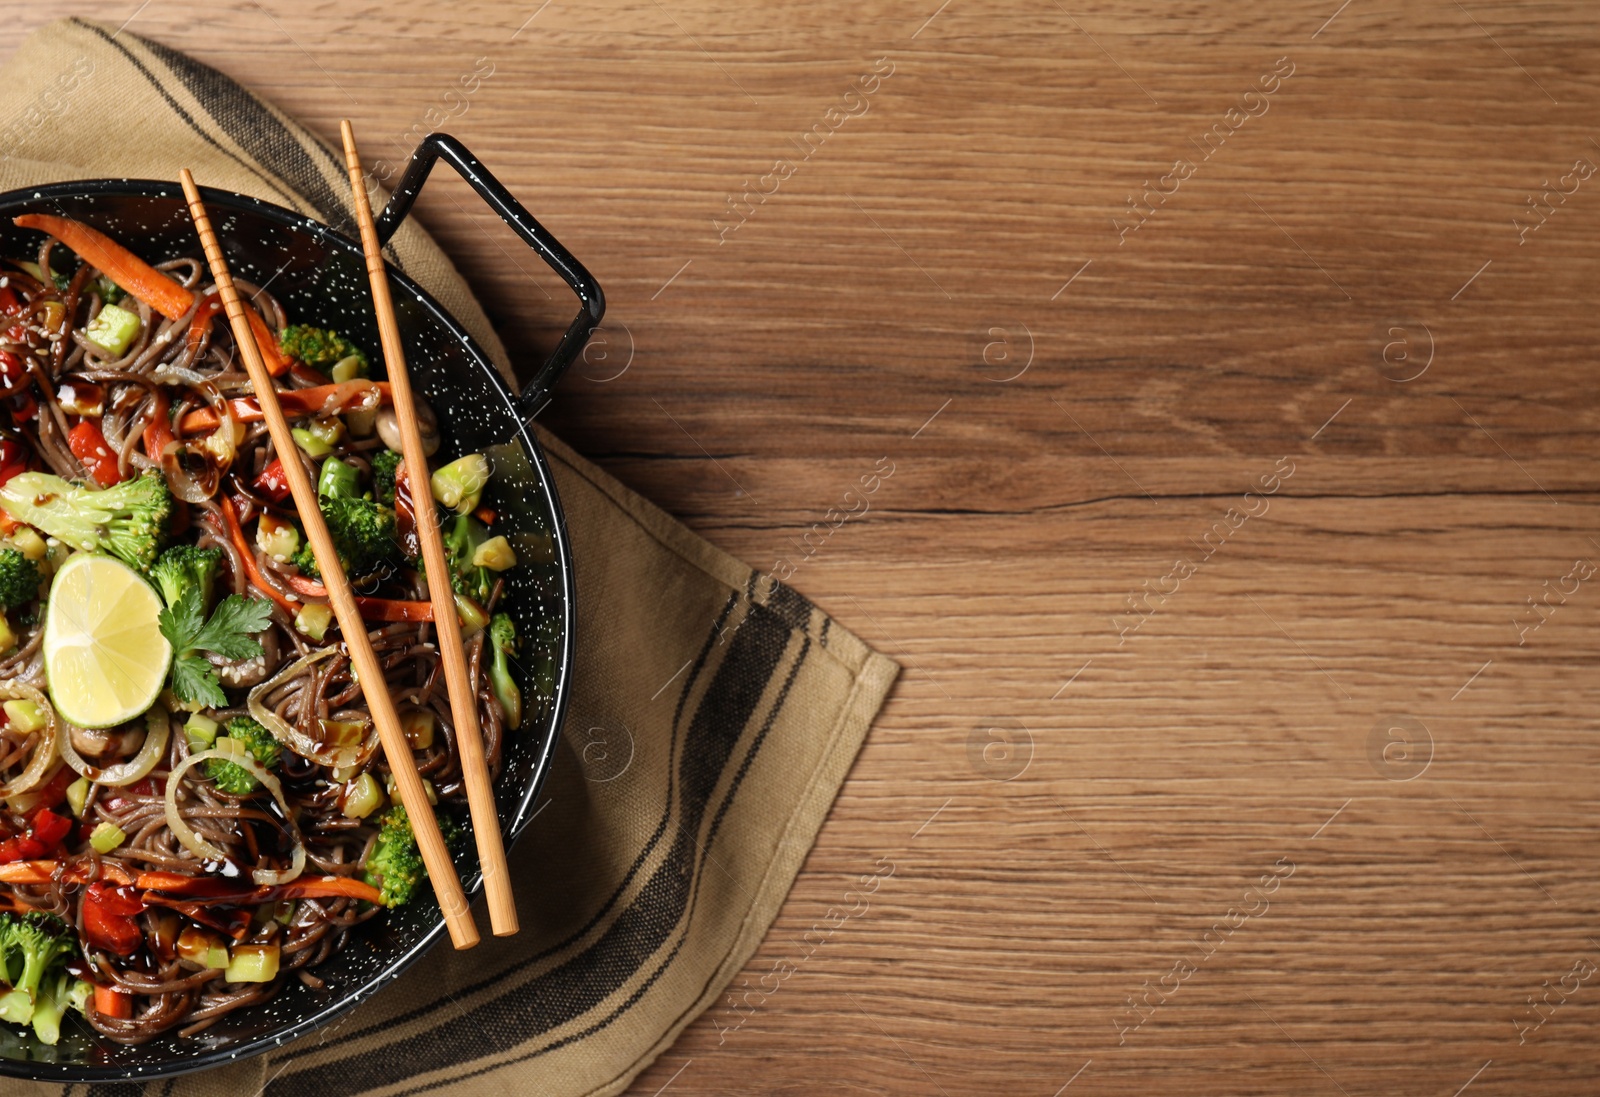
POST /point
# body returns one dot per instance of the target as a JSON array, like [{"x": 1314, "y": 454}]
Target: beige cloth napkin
[{"x": 714, "y": 716}]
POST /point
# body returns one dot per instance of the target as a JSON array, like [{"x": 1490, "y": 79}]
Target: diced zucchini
[
  {"x": 346, "y": 369},
  {"x": 279, "y": 540},
  {"x": 313, "y": 620},
  {"x": 202, "y": 947},
  {"x": 364, "y": 797},
  {"x": 24, "y": 716},
  {"x": 78, "y": 796},
  {"x": 113, "y": 330},
  {"x": 418, "y": 725},
  {"x": 253, "y": 964},
  {"x": 106, "y": 837}
]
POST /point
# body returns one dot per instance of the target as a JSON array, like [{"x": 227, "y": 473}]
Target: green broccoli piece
[
  {"x": 19, "y": 578},
  {"x": 127, "y": 520},
  {"x": 60, "y": 991},
  {"x": 465, "y": 535},
  {"x": 395, "y": 866},
  {"x": 363, "y": 533},
  {"x": 384, "y": 465},
  {"x": 35, "y": 944},
  {"x": 184, "y": 567},
  {"x": 503, "y": 634},
  {"x": 233, "y": 778},
  {"x": 321, "y": 348}
]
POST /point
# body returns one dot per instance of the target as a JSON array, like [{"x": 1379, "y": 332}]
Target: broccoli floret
[
  {"x": 19, "y": 578},
  {"x": 60, "y": 991},
  {"x": 503, "y": 634},
  {"x": 384, "y": 465},
  {"x": 465, "y": 535},
  {"x": 34, "y": 944},
  {"x": 233, "y": 778},
  {"x": 321, "y": 348},
  {"x": 363, "y": 533},
  {"x": 128, "y": 520},
  {"x": 184, "y": 567},
  {"x": 395, "y": 866}
]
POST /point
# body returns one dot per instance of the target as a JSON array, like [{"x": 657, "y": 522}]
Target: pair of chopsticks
[{"x": 463, "y": 704}]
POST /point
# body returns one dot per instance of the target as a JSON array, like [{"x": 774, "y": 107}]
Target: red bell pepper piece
[
  {"x": 273, "y": 482},
  {"x": 50, "y": 829},
  {"x": 89, "y": 446},
  {"x": 160, "y": 292},
  {"x": 108, "y": 918},
  {"x": 24, "y": 848},
  {"x": 158, "y": 432}
]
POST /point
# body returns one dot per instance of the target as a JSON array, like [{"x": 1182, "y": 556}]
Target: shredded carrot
[
  {"x": 267, "y": 343},
  {"x": 116, "y": 262},
  {"x": 210, "y": 889},
  {"x": 372, "y": 609},
  {"x": 388, "y": 609},
  {"x": 41, "y": 872},
  {"x": 330, "y": 887},
  {"x": 248, "y": 556},
  {"x": 309, "y": 587}
]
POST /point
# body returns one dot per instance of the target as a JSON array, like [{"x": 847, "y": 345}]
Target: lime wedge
[{"x": 104, "y": 654}]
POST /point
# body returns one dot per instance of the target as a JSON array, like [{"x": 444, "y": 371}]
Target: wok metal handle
[{"x": 592, "y": 303}]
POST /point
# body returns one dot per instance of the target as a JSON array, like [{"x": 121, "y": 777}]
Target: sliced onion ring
[
  {"x": 295, "y": 740},
  {"x": 158, "y": 726},
  {"x": 44, "y": 751},
  {"x": 203, "y": 849}
]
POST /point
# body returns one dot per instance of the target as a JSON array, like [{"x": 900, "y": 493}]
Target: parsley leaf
[
  {"x": 194, "y": 680},
  {"x": 228, "y": 633}
]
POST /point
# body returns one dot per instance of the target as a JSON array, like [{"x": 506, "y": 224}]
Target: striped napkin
[{"x": 714, "y": 716}]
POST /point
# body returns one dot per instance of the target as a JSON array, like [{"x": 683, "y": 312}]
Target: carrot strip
[
  {"x": 41, "y": 872},
  {"x": 296, "y": 404},
  {"x": 388, "y": 609},
  {"x": 330, "y": 887},
  {"x": 248, "y": 556},
  {"x": 113, "y": 1002},
  {"x": 372, "y": 609},
  {"x": 203, "y": 889},
  {"x": 309, "y": 587},
  {"x": 267, "y": 342},
  {"x": 116, "y": 262}
]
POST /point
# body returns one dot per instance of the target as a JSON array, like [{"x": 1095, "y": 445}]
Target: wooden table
[{"x": 1232, "y": 365}]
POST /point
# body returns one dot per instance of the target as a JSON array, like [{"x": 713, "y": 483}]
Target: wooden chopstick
[
  {"x": 397, "y": 751},
  {"x": 463, "y": 699}
]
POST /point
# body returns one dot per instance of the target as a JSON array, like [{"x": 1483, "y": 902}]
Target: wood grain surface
[{"x": 1256, "y": 544}]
